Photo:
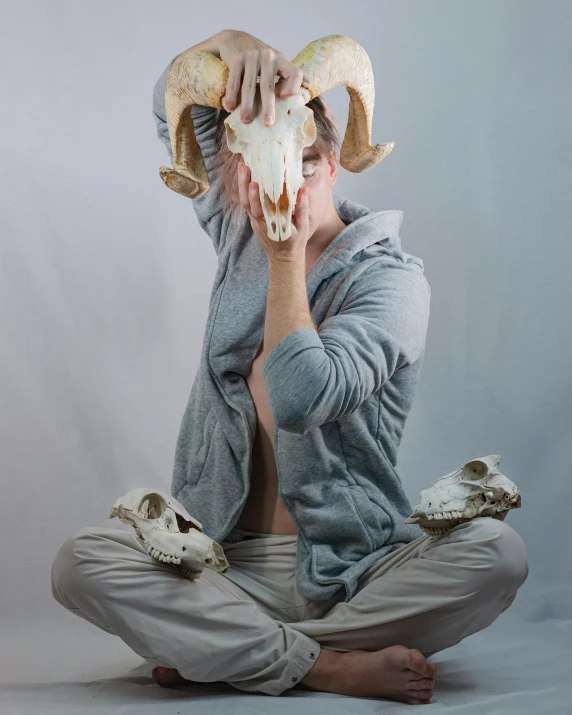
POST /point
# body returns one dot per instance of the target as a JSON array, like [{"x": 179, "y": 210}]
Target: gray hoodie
[{"x": 339, "y": 396}]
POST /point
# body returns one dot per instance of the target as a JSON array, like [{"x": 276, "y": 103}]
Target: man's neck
[
  {"x": 325, "y": 234},
  {"x": 321, "y": 239}
]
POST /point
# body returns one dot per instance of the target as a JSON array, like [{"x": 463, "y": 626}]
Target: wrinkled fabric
[
  {"x": 251, "y": 628},
  {"x": 339, "y": 395}
]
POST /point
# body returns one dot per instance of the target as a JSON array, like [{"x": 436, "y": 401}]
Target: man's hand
[
  {"x": 287, "y": 307},
  {"x": 293, "y": 248},
  {"x": 243, "y": 53}
]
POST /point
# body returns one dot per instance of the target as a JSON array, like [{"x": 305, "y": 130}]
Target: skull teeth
[
  {"x": 446, "y": 515},
  {"x": 155, "y": 553},
  {"x": 189, "y": 573},
  {"x": 435, "y": 531}
]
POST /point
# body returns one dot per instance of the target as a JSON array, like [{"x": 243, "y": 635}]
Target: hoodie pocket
[
  {"x": 365, "y": 512},
  {"x": 198, "y": 460}
]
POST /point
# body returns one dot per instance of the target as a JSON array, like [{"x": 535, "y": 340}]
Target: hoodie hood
[
  {"x": 235, "y": 326},
  {"x": 377, "y": 231}
]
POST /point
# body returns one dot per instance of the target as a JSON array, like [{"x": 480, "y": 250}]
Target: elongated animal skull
[
  {"x": 169, "y": 532},
  {"x": 273, "y": 154},
  {"x": 477, "y": 489}
]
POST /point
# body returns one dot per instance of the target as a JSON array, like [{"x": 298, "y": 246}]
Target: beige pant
[{"x": 251, "y": 628}]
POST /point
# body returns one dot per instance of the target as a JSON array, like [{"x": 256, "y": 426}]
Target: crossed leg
[
  {"x": 420, "y": 599},
  {"x": 426, "y": 596}
]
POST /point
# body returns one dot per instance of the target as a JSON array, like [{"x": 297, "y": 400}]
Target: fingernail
[
  {"x": 268, "y": 119},
  {"x": 246, "y": 117}
]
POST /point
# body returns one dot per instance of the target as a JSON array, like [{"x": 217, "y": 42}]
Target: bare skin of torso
[{"x": 264, "y": 510}]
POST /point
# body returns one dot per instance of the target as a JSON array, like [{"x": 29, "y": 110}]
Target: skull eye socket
[
  {"x": 152, "y": 506},
  {"x": 477, "y": 467}
]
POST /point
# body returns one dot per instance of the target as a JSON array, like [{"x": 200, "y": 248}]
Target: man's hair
[{"x": 327, "y": 139}]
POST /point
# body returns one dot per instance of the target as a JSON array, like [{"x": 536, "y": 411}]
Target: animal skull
[
  {"x": 274, "y": 156},
  {"x": 169, "y": 532},
  {"x": 476, "y": 489}
]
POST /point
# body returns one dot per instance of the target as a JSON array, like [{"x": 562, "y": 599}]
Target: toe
[
  {"x": 415, "y": 701},
  {"x": 417, "y": 661},
  {"x": 421, "y": 694},
  {"x": 423, "y": 684},
  {"x": 419, "y": 676},
  {"x": 165, "y": 677}
]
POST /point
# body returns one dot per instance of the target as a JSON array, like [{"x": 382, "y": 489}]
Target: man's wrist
[
  {"x": 290, "y": 262},
  {"x": 287, "y": 306}
]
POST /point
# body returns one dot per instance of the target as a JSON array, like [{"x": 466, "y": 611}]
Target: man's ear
[{"x": 333, "y": 164}]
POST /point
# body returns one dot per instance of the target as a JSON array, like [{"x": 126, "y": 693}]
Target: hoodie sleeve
[
  {"x": 313, "y": 377},
  {"x": 208, "y": 208}
]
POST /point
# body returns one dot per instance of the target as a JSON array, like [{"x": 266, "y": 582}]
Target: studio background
[{"x": 105, "y": 278}]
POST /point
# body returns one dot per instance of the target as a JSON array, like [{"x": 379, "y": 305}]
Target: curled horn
[
  {"x": 335, "y": 60},
  {"x": 193, "y": 78},
  {"x": 201, "y": 78}
]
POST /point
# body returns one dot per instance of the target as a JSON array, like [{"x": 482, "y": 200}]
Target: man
[{"x": 287, "y": 452}]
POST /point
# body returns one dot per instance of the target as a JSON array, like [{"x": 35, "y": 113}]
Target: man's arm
[
  {"x": 287, "y": 307},
  {"x": 314, "y": 376},
  {"x": 208, "y": 208}
]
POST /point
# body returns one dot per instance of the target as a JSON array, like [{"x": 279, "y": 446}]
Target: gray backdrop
[{"x": 105, "y": 274}]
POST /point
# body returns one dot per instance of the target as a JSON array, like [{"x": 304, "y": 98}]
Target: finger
[
  {"x": 301, "y": 211},
  {"x": 292, "y": 75},
  {"x": 248, "y": 85},
  {"x": 233, "y": 85},
  {"x": 267, "y": 85},
  {"x": 255, "y": 205},
  {"x": 243, "y": 181}
]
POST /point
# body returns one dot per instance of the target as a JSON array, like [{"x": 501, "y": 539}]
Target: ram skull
[
  {"x": 477, "y": 489},
  {"x": 273, "y": 154},
  {"x": 169, "y": 533}
]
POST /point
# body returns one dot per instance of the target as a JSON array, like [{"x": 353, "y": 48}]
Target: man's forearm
[{"x": 287, "y": 306}]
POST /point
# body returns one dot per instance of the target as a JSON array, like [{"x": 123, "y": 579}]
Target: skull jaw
[
  {"x": 169, "y": 533},
  {"x": 194, "y": 550},
  {"x": 440, "y": 526},
  {"x": 478, "y": 489},
  {"x": 190, "y": 553}
]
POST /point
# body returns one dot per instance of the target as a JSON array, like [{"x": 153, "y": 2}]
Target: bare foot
[
  {"x": 168, "y": 677},
  {"x": 396, "y": 673}
]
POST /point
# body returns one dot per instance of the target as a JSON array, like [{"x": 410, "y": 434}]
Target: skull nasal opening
[{"x": 281, "y": 206}]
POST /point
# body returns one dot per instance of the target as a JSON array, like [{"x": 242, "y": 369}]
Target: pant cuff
[{"x": 285, "y": 673}]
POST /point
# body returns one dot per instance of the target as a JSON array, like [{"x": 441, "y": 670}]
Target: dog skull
[
  {"x": 477, "y": 489},
  {"x": 274, "y": 156},
  {"x": 169, "y": 532}
]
